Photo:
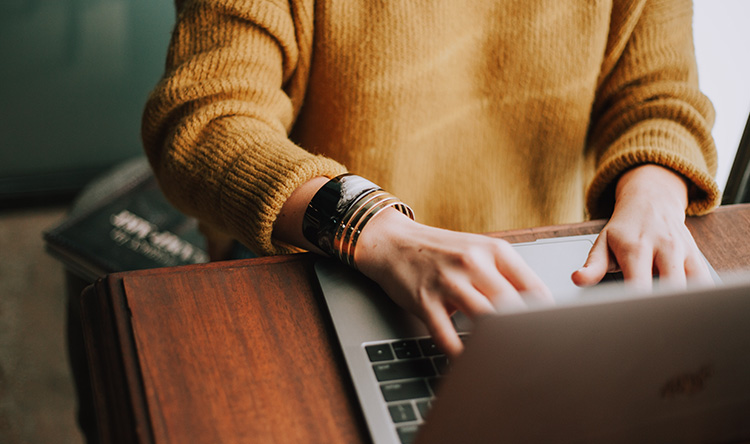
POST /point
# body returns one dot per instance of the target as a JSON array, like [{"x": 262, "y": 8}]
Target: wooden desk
[{"x": 243, "y": 351}]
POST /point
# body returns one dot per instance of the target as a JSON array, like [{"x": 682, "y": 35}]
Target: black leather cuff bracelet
[
  {"x": 328, "y": 207},
  {"x": 339, "y": 211}
]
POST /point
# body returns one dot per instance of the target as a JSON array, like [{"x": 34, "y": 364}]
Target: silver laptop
[{"x": 603, "y": 365}]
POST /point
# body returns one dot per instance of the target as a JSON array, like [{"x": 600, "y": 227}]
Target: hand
[
  {"x": 646, "y": 234},
  {"x": 428, "y": 271},
  {"x": 432, "y": 272}
]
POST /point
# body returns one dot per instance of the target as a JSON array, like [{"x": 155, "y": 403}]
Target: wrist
[
  {"x": 385, "y": 236},
  {"x": 655, "y": 183}
]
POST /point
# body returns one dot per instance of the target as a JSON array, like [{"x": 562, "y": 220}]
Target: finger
[
  {"x": 670, "y": 267},
  {"x": 697, "y": 270},
  {"x": 494, "y": 286},
  {"x": 637, "y": 266},
  {"x": 510, "y": 301},
  {"x": 442, "y": 331},
  {"x": 468, "y": 299},
  {"x": 519, "y": 275},
  {"x": 598, "y": 263}
]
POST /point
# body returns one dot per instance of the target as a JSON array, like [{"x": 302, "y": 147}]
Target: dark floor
[{"x": 37, "y": 400}]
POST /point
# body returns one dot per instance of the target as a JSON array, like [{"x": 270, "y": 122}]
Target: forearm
[
  {"x": 649, "y": 108},
  {"x": 216, "y": 126}
]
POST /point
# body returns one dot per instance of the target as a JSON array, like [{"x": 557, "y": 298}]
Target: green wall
[{"x": 74, "y": 76}]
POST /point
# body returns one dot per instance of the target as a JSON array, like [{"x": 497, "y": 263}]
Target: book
[{"x": 132, "y": 227}]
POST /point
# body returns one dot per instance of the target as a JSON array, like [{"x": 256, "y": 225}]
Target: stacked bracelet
[{"x": 340, "y": 210}]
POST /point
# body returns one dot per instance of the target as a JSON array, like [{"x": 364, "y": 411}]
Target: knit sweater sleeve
[
  {"x": 215, "y": 128},
  {"x": 648, "y": 107}
]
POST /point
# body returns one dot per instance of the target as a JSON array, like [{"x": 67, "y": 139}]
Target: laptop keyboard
[{"x": 408, "y": 372}]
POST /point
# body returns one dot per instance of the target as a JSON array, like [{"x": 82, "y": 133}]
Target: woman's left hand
[{"x": 646, "y": 235}]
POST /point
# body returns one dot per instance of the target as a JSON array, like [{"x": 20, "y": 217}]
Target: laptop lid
[{"x": 616, "y": 367}]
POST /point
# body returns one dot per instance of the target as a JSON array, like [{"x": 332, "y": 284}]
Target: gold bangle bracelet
[
  {"x": 363, "y": 216},
  {"x": 353, "y": 244},
  {"x": 350, "y": 215},
  {"x": 351, "y": 226}
]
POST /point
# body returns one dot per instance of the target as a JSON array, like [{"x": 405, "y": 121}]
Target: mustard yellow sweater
[{"x": 481, "y": 115}]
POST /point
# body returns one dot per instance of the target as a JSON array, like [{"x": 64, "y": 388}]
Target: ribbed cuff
[
  {"x": 662, "y": 143},
  {"x": 259, "y": 183}
]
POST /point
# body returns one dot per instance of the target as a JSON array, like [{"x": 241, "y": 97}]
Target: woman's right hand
[
  {"x": 433, "y": 272},
  {"x": 428, "y": 271}
]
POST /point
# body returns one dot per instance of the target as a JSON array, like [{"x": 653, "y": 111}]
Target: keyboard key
[
  {"x": 401, "y": 391},
  {"x": 407, "y": 434},
  {"x": 406, "y": 349},
  {"x": 402, "y": 412},
  {"x": 424, "y": 407},
  {"x": 612, "y": 277},
  {"x": 429, "y": 348},
  {"x": 461, "y": 322},
  {"x": 442, "y": 364},
  {"x": 415, "y": 368},
  {"x": 379, "y": 352}
]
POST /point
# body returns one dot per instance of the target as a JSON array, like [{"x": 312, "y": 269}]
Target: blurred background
[{"x": 74, "y": 75}]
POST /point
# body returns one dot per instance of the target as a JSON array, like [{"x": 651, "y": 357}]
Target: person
[{"x": 479, "y": 116}]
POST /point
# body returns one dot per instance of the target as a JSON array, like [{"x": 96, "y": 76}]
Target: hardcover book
[{"x": 132, "y": 228}]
